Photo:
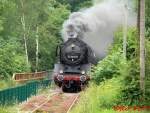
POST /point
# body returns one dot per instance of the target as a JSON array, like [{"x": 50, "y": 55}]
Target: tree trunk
[
  {"x": 26, "y": 50},
  {"x": 24, "y": 32},
  {"x": 142, "y": 45},
  {"x": 138, "y": 32},
  {"x": 37, "y": 49},
  {"x": 138, "y": 18},
  {"x": 125, "y": 29}
]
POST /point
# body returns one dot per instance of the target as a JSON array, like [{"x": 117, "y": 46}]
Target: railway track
[{"x": 55, "y": 102}]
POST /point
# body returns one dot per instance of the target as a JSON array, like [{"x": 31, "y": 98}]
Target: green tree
[
  {"x": 11, "y": 55},
  {"x": 10, "y": 60},
  {"x": 75, "y": 5},
  {"x": 147, "y": 18},
  {"x": 50, "y": 35},
  {"x": 19, "y": 19}
]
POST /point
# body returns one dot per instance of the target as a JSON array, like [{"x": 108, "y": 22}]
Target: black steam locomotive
[{"x": 74, "y": 62}]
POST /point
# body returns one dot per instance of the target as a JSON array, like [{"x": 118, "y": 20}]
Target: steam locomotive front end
[
  {"x": 71, "y": 75},
  {"x": 73, "y": 65}
]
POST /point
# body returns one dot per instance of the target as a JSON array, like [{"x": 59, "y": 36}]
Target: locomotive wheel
[
  {"x": 64, "y": 89},
  {"x": 73, "y": 88},
  {"x": 59, "y": 84}
]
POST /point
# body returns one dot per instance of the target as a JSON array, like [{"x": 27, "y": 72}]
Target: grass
[
  {"x": 101, "y": 98},
  {"x": 14, "y": 108},
  {"x": 113, "y": 111},
  {"x": 9, "y": 109},
  {"x": 7, "y": 84},
  {"x": 46, "y": 90}
]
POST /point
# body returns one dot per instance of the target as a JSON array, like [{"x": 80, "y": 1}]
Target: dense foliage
[
  {"x": 25, "y": 21},
  {"x": 116, "y": 80},
  {"x": 75, "y": 5},
  {"x": 11, "y": 58},
  {"x": 147, "y": 18},
  {"x": 21, "y": 18},
  {"x": 147, "y": 25},
  {"x": 115, "y": 65},
  {"x": 104, "y": 99}
]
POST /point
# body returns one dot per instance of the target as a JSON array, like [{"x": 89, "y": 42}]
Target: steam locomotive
[{"x": 74, "y": 63}]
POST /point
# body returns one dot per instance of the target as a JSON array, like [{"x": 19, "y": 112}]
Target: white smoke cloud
[{"x": 96, "y": 25}]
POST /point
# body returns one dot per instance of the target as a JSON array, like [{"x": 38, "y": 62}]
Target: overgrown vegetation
[
  {"x": 9, "y": 109},
  {"x": 115, "y": 65},
  {"x": 19, "y": 19},
  {"x": 75, "y": 5},
  {"x": 103, "y": 99},
  {"x": 116, "y": 79},
  {"x": 7, "y": 83},
  {"x": 22, "y": 22},
  {"x": 11, "y": 58}
]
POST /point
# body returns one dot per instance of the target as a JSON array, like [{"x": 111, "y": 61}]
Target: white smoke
[{"x": 96, "y": 25}]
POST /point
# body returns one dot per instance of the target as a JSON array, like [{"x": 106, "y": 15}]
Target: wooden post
[{"x": 142, "y": 45}]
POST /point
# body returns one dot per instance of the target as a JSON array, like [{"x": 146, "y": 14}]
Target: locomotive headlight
[
  {"x": 82, "y": 78},
  {"x": 82, "y": 72},
  {"x": 60, "y": 77},
  {"x": 61, "y": 71}
]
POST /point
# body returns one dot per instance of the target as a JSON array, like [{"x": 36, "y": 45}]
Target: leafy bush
[
  {"x": 75, "y": 5},
  {"x": 115, "y": 62},
  {"x": 11, "y": 58},
  {"x": 108, "y": 67},
  {"x": 102, "y": 98},
  {"x": 7, "y": 83},
  {"x": 115, "y": 65},
  {"x": 147, "y": 72},
  {"x": 49, "y": 34},
  {"x": 8, "y": 109}
]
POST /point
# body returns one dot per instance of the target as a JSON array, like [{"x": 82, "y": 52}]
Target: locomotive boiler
[{"x": 73, "y": 65}]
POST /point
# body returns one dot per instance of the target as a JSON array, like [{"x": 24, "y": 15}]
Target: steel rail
[
  {"x": 73, "y": 103},
  {"x": 44, "y": 102}
]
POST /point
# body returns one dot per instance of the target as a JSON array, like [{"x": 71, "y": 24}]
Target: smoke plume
[{"x": 96, "y": 25}]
